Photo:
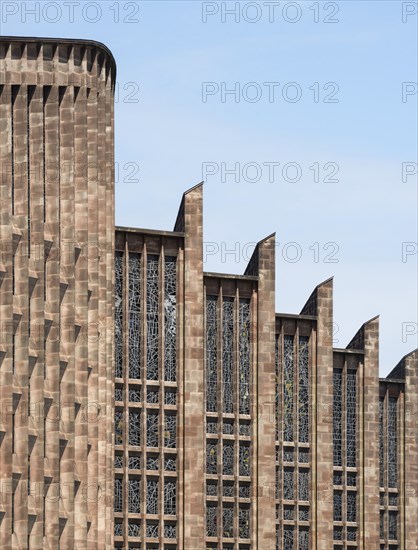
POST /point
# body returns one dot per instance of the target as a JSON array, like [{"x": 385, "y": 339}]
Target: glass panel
[
  {"x": 351, "y": 418},
  {"x": 211, "y": 354},
  {"x": 288, "y": 381},
  {"x": 244, "y": 356},
  {"x": 170, "y": 301},
  {"x": 303, "y": 390},
  {"x": 228, "y": 355},
  {"x": 134, "y": 315},
  {"x": 152, "y": 317},
  {"x": 119, "y": 314}
]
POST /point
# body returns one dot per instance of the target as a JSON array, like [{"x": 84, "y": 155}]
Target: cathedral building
[{"x": 149, "y": 404}]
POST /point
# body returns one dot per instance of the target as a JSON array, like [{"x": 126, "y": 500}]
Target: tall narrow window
[
  {"x": 152, "y": 317},
  {"x": 351, "y": 418},
  {"x": 134, "y": 492},
  {"x": 118, "y": 506},
  {"x": 337, "y": 417},
  {"x": 170, "y": 496},
  {"x": 211, "y": 354},
  {"x": 152, "y": 496},
  {"x": 170, "y": 431},
  {"x": 134, "y": 428},
  {"x": 392, "y": 443},
  {"x": 119, "y": 314},
  {"x": 228, "y": 355},
  {"x": 244, "y": 356},
  {"x": 288, "y": 389},
  {"x": 303, "y": 390},
  {"x": 170, "y": 321},
  {"x": 134, "y": 315},
  {"x": 211, "y": 520},
  {"x": 381, "y": 442}
]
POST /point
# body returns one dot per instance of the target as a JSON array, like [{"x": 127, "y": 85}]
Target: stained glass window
[
  {"x": 118, "y": 461},
  {"x": 152, "y": 395},
  {"x": 338, "y": 506},
  {"x": 170, "y": 531},
  {"x": 244, "y": 356},
  {"x": 134, "y": 315},
  {"x": 152, "y": 317},
  {"x": 134, "y": 529},
  {"x": 392, "y": 443},
  {"x": 211, "y": 521},
  {"x": 170, "y": 431},
  {"x": 288, "y": 538},
  {"x": 303, "y": 514},
  {"x": 134, "y": 503},
  {"x": 170, "y": 496},
  {"x": 118, "y": 427},
  {"x": 119, "y": 314},
  {"x": 134, "y": 462},
  {"x": 152, "y": 462},
  {"x": 151, "y": 530},
  {"x": 351, "y": 534},
  {"x": 351, "y": 418},
  {"x": 277, "y": 388},
  {"x": 288, "y": 374},
  {"x": 170, "y": 301},
  {"x": 152, "y": 430},
  {"x": 244, "y": 523},
  {"x": 170, "y": 397},
  {"x": 211, "y": 354},
  {"x": 228, "y": 428},
  {"x": 393, "y": 525},
  {"x": 228, "y": 355},
  {"x": 134, "y": 428},
  {"x": 244, "y": 460},
  {"x": 211, "y": 458},
  {"x": 211, "y": 489},
  {"x": 351, "y": 506},
  {"x": 303, "y": 485},
  {"x": 304, "y": 539},
  {"x": 118, "y": 495},
  {"x": 152, "y": 497},
  {"x": 211, "y": 427},
  {"x": 118, "y": 529},
  {"x": 381, "y": 442},
  {"x": 228, "y": 522},
  {"x": 170, "y": 464},
  {"x": 244, "y": 491},
  {"x": 303, "y": 390},
  {"x": 245, "y": 429},
  {"x": 134, "y": 395},
  {"x": 304, "y": 456},
  {"x": 337, "y": 417},
  {"x": 288, "y": 484},
  {"x": 228, "y": 458}
]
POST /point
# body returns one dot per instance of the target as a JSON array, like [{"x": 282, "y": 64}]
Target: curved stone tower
[{"x": 56, "y": 285}]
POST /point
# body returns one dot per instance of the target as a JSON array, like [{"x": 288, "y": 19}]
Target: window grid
[
  {"x": 292, "y": 417},
  {"x": 345, "y": 497},
  {"x": 148, "y": 423},
  {"x": 388, "y": 474},
  {"x": 228, "y": 422}
]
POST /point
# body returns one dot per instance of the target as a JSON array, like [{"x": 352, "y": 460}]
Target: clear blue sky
[{"x": 359, "y": 125}]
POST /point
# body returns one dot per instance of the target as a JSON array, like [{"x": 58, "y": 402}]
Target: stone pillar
[
  {"x": 410, "y": 458},
  {"x": 190, "y": 221},
  {"x": 263, "y": 264},
  {"x": 320, "y": 304}
]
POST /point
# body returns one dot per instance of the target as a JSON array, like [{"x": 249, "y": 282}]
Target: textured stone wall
[{"x": 56, "y": 310}]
